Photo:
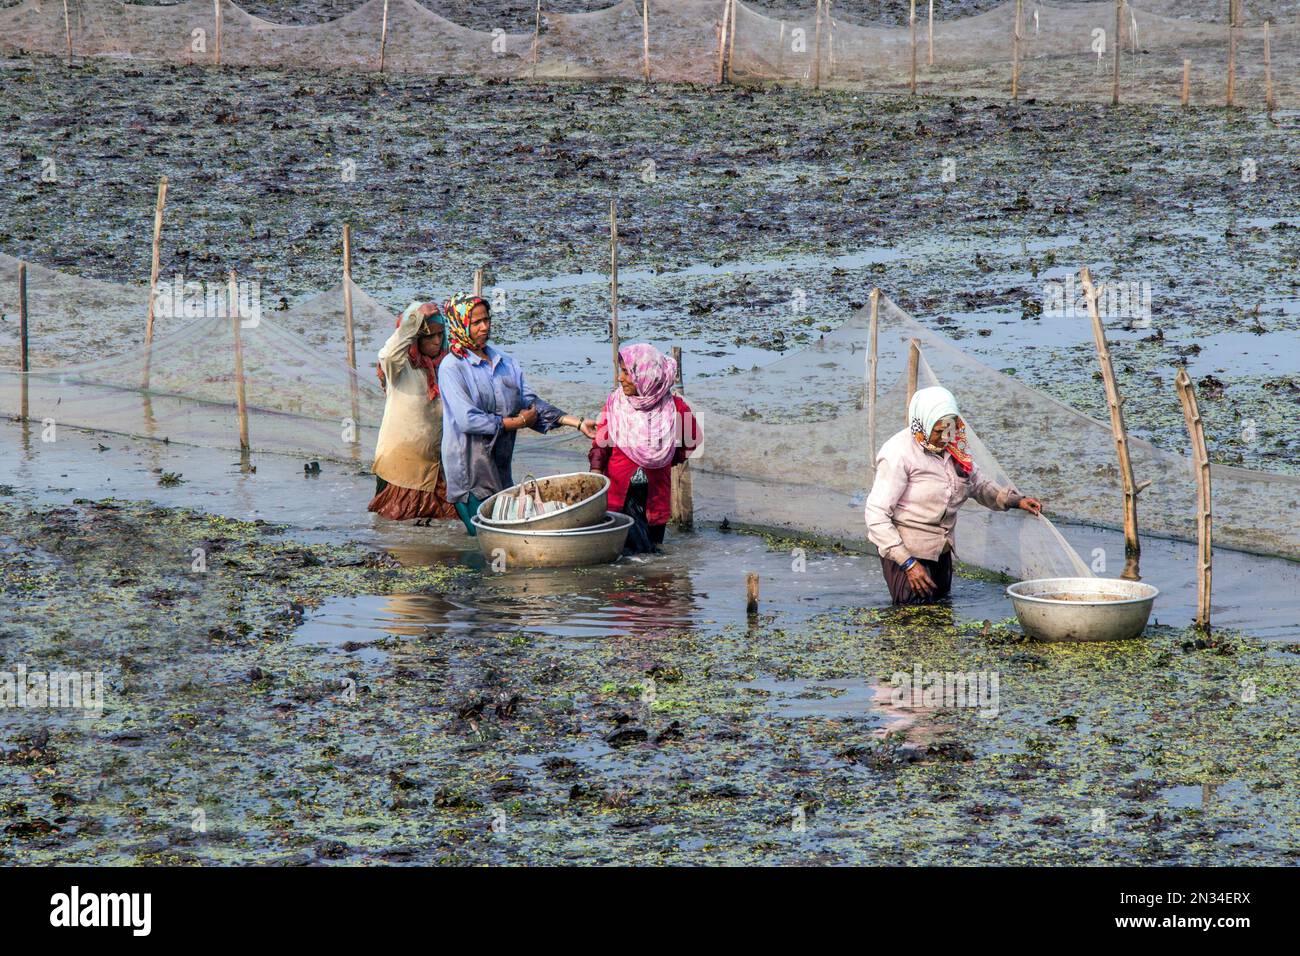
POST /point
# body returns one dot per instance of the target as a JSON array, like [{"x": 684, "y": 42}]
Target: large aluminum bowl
[
  {"x": 571, "y": 548},
  {"x": 585, "y": 492},
  {"x": 1082, "y": 609}
]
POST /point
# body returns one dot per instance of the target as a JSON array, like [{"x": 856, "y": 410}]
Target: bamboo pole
[
  {"x": 1187, "y": 83},
  {"x": 830, "y": 43},
  {"x": 720, "y": 30},
  {"x": 645, "y": 36},
  {"x": 1132, "y": 546},
  {"x": 929, "y": 38},
  {"x": 873, "y": 358},
  {"x": 349, "y": 331},
  {"x": 217, "y": 18},
  {"x": 751, "y": 592},
  {"x": 682, "y": 493},
  {"x": 817, "y": 52},
  {"x": 478, "y": 281},
  {"x": 537, "y": 35},
  {"x": 24, "y": 363},
  {"x": 1268, "y": 72},
  {"x": 383, "y": 37},
  {"x": 780, "y": 52},
  {"x": 731, "y": 42},
  {"x": 913, "y": 370},
  {"x": 911, "y": 20},
  {"x": 1118, "y": 42},
  {"x": 1015, "y": 53},
  {"x": 1231, "y": 98},
  {"x": 241, "y": 399},
  {"x": 1201, "y": 459},
  {"x": 613, "y": 284},
  {"x": 67, "y": 30},
  {"x": 155, "y": 267}
]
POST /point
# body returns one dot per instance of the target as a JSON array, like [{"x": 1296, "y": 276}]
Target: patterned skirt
[{"x": 399, "y": 504}]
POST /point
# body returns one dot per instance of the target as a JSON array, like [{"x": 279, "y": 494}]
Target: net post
[
  {"x": 537, "y": 35},
  {"x": 817, "y": 53},
  {"x": 613, "y": 284},
  {"x": 731, "y": 43},
  {"x": 383, "y": 37},
  {"x": 780, "y": 52},
  {"x": 67, "y": 30},
  {"x": 1015, "y": 53},
  {"x": 911, "y": 21},
  {"x": 155, "y": 267},
  {"x": 241, "y": 400},
  {"x": 478, "y": 281},
  {"x": 645, "y": 37},
  {"x": 1187, "y": 83},
  {"x": 1268, "y": 73},
  {"x": 1201, "y": 459},
  {"x": 830, "y": 43},
  {"x": 913, "y": 369},
  {"x": 1132, "y": 546},
  {"x": 929, "y": 38},
  {"x": 216, "y": 19},
  {"x": 1230, "y": 98},
  {"x": 751, "y": 593},
  {"x": 680, "y": 484},
  {"x": 24, "y": 363},
  {"x": 1117, "y": 43},
  {"x": 873, "y": 358},
  {"x": 349, "y": 331}
]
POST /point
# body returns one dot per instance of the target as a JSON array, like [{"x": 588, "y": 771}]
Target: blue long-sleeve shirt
[{"x": 476, "y": 395}]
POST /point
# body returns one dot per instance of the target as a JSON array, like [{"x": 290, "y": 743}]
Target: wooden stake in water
[
  {"x": 478, "y": 281},
  {"x": 913, "y": 370},
  {"x": 731, "y": 41},
  {"x": 929, "y": 38},
  {"x": 645, "y": 37},
  {"x": 780, "y": 52},
  {"x": 537, "y": 35},
  {"x": 1118, "y": 41},
  {"x": 1231, "y": 98},
  {"x": 383, "y": 37},
  {"x": 873, "y": 358},
  {"x": 1268, "y": 72},
  {"x": 817, "y": 53},
  {"x": 751, "y": 592},
  {"x": 241, "y": 400},
  {"x": 24, "y": 364},
  {"x": 1201, "y": 459},
  {"x": 216, "y": 17},
  {"x": 1132, "y": 547},
  {"x": 911, "y": 20},
  {"x": 682, "y": 497},
  {"x": 1187, "y": 82},
  {"x": 155, "y": 267},
  {"x": 349, "y": 334},
  {"x": 67, "y": 30},
  {"x": 613, "y": 284},
  {"x": 1015, "y": 53}
]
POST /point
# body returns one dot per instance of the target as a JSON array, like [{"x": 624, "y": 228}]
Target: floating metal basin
[
  {"x": 1082, "y": 609},
  {"x": 585, "y": 494},
  {"x": 570, "y": 548}
]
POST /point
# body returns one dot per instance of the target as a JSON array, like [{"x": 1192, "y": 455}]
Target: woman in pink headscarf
[{"x": 644, "y": 427}]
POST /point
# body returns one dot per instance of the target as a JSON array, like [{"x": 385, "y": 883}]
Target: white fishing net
[{"x": 1064, "y": 52}]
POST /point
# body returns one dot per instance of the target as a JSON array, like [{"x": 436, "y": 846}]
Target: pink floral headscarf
[{"x": 644, "y": 425}]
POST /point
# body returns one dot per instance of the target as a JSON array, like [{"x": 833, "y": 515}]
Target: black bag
[{"x": 638, "y": 536}]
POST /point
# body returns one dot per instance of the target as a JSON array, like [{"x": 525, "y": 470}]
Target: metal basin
[
  {"x": 585, "y": 494},
  {"x": 574, "y": 547},
  {"x": 1082, "y": 609}
]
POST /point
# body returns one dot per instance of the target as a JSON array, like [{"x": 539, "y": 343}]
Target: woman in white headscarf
[{"x": 923, "y": 475}]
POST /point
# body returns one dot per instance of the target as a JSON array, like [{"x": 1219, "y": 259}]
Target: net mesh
[
  {"x": 1064, "y": 52},
  {"x": 788, "y": 445}
]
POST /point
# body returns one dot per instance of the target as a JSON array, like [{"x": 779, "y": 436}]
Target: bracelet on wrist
[{"x": 908, "y": 563}]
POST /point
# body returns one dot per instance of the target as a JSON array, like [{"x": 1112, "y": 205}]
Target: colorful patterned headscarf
[
  {"x": 644, "y": 425},
  {"x": 928, "y": 405},
  {"x": 457, "y": 310}
]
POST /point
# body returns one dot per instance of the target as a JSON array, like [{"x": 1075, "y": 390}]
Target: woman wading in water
[
  {"x": 644, "y": 427},
  {"x": 408, "y": 453},
  {"x": 485, "y": 400},
  {"x": 923, "y": 475}
]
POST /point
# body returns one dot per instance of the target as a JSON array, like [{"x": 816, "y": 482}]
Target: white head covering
[{"x": 929, "y": 405}]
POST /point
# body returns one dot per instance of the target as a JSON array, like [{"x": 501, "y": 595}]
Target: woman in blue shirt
[{"x": 485, "y": 400}]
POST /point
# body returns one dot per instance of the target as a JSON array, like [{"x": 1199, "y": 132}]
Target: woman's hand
[
  {"x": 527, "y": 418},
  {"x": 588, "y": 428},
  {"x": 1032, "y": 505},
  {"x": 918, "y": 578}
]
